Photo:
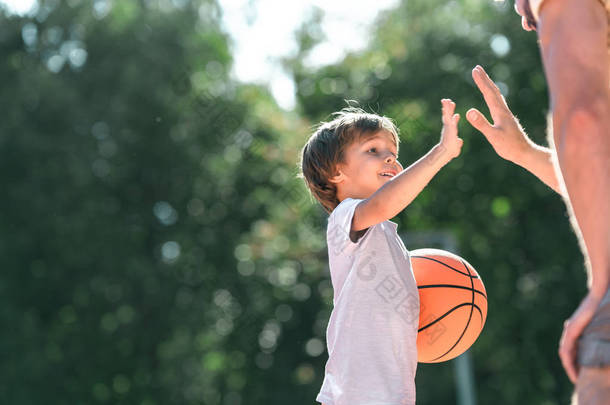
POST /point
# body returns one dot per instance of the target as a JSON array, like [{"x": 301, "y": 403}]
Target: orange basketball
[{"x": 453, "y": 304}]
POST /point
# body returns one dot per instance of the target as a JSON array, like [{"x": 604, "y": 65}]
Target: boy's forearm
[{"x": 401, "y": 190}]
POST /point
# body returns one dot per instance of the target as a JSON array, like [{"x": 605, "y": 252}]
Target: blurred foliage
[
  {"x": 157, "y": 247},
  {"x": 146, "y": 257}
]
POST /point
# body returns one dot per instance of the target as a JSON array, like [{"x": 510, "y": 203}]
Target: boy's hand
[
  {"x": 505, "y": 135},
  {"x": 449, "y": 135}
]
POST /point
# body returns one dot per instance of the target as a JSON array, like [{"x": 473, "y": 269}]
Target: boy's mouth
[{"x": 388, "y": 174}]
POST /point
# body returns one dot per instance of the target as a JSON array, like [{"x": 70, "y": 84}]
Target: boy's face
[{"x": 369, "y": 164}]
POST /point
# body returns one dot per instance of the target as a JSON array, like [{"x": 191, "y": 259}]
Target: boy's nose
[{"x": 390, "y": 158}]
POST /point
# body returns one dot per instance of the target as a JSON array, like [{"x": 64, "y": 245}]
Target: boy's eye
[{"x": 374, "y": 150}]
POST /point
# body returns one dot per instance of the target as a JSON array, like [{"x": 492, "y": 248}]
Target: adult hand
[
  {"x": 505, "y": 135},
  {"x": 572, "y": 330}
]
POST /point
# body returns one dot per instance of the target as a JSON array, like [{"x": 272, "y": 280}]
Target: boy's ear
[{"x": 338, "y": 177}]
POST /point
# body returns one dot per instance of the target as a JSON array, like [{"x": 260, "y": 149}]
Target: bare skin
[
  {"x": 580, "y": 103},
  {"x": 510, "y": 142},
  {"x": 581, "y": 123},
  {"x": 385, "y": 199},
  {"x": 506, "y": 135}
]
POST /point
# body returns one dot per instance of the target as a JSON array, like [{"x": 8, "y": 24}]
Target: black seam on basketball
[
  {"x": 451, "y": 286},
  {"x": 480, "y": 312},
  {"x": 467, "y": 323},
  {"x": 446, "y": 265},
  {"x": 449, "y": 312}
]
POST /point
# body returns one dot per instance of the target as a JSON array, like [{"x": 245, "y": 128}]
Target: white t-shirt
[{"x": 372, "y": 331}]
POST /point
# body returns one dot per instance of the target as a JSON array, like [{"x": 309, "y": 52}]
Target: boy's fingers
[
  {"x": 479, "y": 121},
  {"x": 448, "y": 108},
  {"x": 455, "y": 118},
  {"x": 445, "y": 111}
]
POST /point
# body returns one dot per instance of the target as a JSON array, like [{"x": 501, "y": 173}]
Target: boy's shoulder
[
  {"x": 345, "y": 207},
  {"x": 339, "y": 228}
]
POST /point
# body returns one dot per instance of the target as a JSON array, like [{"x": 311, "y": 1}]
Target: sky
[
  {"x": 261, "y": 37},
  {"x": 262, "y": 31},
  {"x": 18, "y": 6}
]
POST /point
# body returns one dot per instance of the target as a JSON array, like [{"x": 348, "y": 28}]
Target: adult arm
[
  {"x": 506, "y": 135},
  {"x": 573, "y": 42}
]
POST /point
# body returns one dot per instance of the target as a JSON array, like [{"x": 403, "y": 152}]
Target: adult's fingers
[
  {"x": 572, "y": 330},
  {"x": 491, "y": 92},
  {"x": 568, "y": 352},
  {"x": 479, "y": 121}
]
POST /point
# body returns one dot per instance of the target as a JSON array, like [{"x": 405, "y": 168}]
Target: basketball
[{"x": 453, "y": 304}]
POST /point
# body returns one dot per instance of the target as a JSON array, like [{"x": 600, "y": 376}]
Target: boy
[{"x": 350, "y": 166}]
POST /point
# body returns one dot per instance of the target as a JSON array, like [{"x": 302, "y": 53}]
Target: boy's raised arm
[{"x": 401, "y": 190}]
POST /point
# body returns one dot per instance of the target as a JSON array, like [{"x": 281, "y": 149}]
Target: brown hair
[{"x": 326, "y": 148}]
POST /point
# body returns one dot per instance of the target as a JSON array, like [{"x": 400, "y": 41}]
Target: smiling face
[{"x": 368, "y": 164}]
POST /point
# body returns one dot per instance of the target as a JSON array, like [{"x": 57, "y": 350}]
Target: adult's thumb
[{"x": 478, "y": 121}]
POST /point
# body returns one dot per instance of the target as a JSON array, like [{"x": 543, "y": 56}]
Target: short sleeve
[{"x": 339, "y": 226}]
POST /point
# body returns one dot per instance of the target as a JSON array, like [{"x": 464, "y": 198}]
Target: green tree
[{"x": 148, "y": 204}]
